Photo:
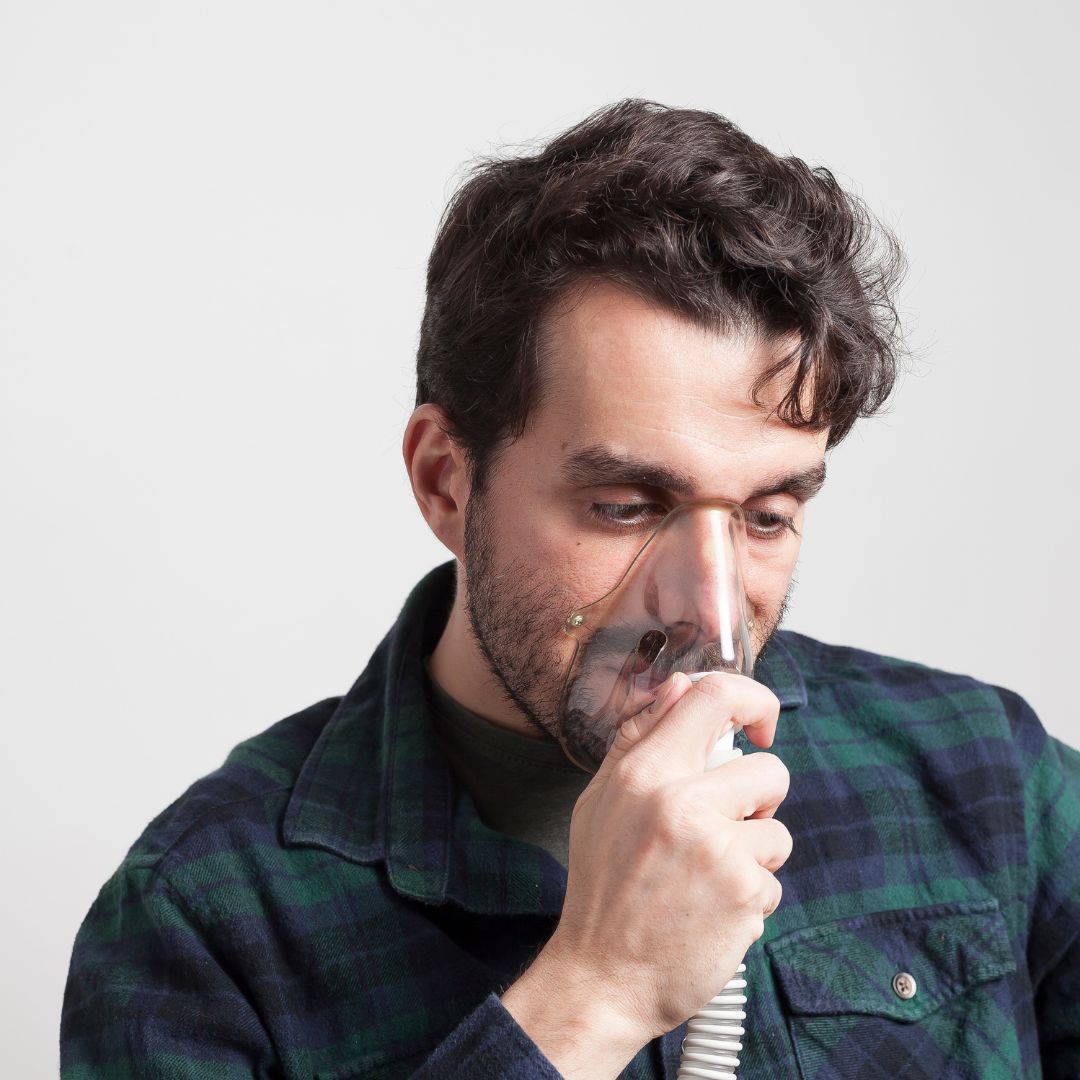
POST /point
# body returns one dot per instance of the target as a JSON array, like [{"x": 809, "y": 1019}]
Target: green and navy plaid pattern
[{"x": 329, "y": 904}]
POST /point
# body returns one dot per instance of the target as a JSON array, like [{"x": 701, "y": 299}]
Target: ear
[{"x": 438, "y": 473}]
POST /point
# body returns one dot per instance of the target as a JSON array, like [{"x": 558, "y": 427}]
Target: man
[{"x": 650, "y": 315}]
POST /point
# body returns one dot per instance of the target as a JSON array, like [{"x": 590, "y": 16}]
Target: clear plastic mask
[{"x": 680, "y": 606}]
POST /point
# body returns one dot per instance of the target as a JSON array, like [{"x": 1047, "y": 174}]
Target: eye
[
  {"x": 769, "y": 525},
  {"x": 627, "y": 515}
]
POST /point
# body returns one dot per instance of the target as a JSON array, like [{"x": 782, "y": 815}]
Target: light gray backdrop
[{"x": 214, "y": 219}]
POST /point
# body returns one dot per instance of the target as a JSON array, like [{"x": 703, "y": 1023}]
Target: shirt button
[{"x": 904, "y": 985}]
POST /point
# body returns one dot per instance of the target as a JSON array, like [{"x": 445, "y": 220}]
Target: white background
[{"x": 214, "y": 219}]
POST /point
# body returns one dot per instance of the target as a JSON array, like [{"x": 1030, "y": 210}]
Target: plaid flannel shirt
[{"x": 329, "y": 904}]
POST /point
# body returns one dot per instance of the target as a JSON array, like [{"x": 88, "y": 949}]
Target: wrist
[{"x": 573, "y": 1020}]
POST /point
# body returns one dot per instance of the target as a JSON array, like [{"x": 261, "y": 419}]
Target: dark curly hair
[{"x": 685, "y": 209}]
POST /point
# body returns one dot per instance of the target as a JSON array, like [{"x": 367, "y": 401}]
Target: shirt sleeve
[
  {"x": 489, "y": 1044},
  {"x": 1051, "y": 773},
  {"x": 146, "y": 996}
]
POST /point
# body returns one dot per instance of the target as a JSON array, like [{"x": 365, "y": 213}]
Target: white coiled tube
[
  {"x": 710, "y": 1050},
  {"x": 714, "y": 1034}
]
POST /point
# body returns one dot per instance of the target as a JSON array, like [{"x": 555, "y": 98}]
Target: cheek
[
  {"x": 768, "y": 574},
  {"x": 560, "y": 570},
  {"x": 579, "y": 565},
  {"x": 599, "y": 564}
]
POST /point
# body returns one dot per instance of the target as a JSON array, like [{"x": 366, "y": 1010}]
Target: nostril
[{"x": 650, "y": 646}]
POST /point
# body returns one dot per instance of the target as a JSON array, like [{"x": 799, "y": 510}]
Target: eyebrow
[{"x": 597, "y": 466}]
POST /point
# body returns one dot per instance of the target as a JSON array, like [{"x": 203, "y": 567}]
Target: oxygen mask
[{"x": 680, "y": 606}]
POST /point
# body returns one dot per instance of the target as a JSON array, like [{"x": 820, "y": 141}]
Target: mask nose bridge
[{"x": 691, "y": 579}]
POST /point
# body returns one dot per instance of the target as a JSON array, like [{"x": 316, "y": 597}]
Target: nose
[{"x": 693, "y": 585}]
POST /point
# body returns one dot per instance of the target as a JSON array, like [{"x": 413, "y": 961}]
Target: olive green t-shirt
[{"x": 522, "y": 786}]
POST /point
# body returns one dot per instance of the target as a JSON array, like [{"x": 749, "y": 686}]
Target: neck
[{"x": 459, "y": 667}]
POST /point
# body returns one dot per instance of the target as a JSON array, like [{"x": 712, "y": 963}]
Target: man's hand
[{"x": 671, "y": 876}]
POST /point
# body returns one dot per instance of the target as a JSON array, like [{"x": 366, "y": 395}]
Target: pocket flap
[{"x": 849, "y": 966}]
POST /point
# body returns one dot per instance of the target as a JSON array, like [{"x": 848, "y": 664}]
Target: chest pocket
[{"x": 910, "y": 993}]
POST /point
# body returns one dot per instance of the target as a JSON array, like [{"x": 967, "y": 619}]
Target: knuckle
[
  {"x": 716, "y": 685},
  {"x": 678, "y": 812},
  {"x": 773, "y": 901},
  {"x": 745, "y": 889},
  {"x": 632, "y": 774},
  {"x": 784, "y": 840},
  {"x": 756, "y": 925},
  {"x": 761, "y": 702},
  {"x": 769, "y": 701},
  {"x": 777, "y": 772},
  {"x": 713, "y": 855},
  {"x": 779, "y": 844},
  {"x": 789, "y": 842}
]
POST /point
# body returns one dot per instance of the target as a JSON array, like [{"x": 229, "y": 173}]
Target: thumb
[{"x": 633, "y": 731}]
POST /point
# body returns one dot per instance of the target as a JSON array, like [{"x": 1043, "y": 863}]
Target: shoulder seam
[{"x": 161, "y": 857}]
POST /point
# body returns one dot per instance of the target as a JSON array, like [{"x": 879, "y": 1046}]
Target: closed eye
[
  {"x": 768, "y": 524},
  {"x": 627, "y": 515},
  {"x": 765, "y": 525}
]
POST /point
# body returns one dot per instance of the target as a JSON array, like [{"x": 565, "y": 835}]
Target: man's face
[{"x": 639, "y": 411}]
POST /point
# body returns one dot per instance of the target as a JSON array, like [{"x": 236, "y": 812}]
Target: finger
[
  {"x": 767, "y": 840},
  {"x": 775, "y": 892},
  {"x": 762, "y": 706},
  {"x": 679, "y": 742},
  {"x": 749, "y": 787},
  {"x": 637, "y": 727}
]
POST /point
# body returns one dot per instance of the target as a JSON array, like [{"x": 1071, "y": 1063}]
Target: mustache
[{"x": 677, "y": 647}]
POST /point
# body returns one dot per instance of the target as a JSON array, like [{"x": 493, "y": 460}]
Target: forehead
[{"x": 626, "y": 374}]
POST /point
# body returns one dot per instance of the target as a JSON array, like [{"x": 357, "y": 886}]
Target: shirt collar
[
  {"x": 377, "y": 788},
  {"x": 777, "y": 668}
]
